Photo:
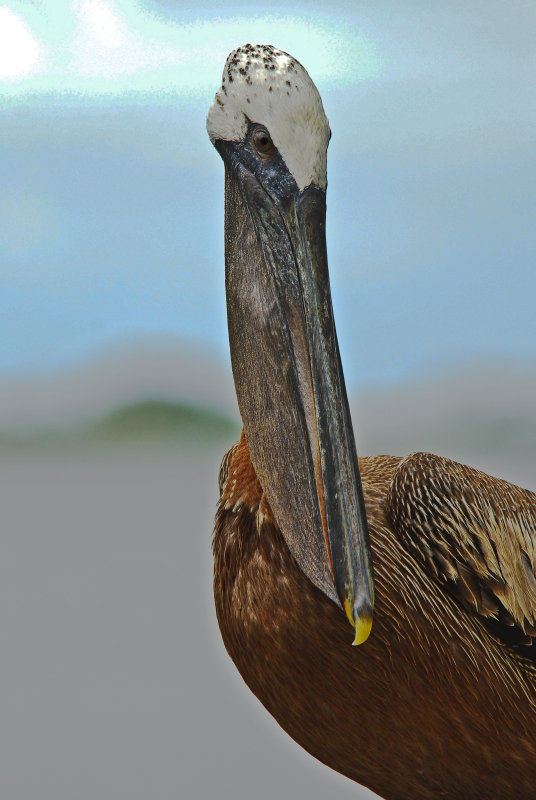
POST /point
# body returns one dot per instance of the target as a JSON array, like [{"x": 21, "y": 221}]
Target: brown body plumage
[{"x": 434, "y": 704}]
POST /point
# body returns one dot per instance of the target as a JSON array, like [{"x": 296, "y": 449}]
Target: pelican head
[
  {"x": 262, "y": 83},
  {"x": 268, "y": 124}
]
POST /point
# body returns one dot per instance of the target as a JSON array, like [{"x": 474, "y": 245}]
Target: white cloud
[
  {"x": 102, "y": 26},
  {"x": 19, "y": 50},
  {"x": 105, "y": 47},
  {"x": 112, "y": 46}
]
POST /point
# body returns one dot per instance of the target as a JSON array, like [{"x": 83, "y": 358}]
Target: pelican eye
[{"x": 262, "y": 142}]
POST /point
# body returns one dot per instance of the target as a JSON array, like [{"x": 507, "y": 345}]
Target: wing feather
[{"x": 476, "y": 535}]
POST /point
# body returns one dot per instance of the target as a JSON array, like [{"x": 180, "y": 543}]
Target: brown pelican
[{"x": 440, "y": 701}]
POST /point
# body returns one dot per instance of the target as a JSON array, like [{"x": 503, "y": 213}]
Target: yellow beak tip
[
  {"x": 362, "y": 625},
  {"x": 362, "y": 630}
]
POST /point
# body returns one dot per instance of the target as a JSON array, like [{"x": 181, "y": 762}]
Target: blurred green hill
[
  {"x": 159, "y": 395},
  {"x": 140, "y": 423}
]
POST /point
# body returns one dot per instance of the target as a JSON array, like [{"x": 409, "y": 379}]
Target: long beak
[{"x": 290, "y": 385}]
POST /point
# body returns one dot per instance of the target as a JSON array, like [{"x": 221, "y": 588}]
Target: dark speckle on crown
[{"x": 244, "y": 57}]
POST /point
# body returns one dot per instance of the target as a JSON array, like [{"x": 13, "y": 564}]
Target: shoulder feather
[{"x": 476, "y": 534}]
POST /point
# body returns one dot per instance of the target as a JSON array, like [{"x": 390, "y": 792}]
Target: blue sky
[{"x": 111, "y": 198}]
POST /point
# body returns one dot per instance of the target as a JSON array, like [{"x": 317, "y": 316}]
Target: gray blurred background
[{"x": 116, "y": 396}]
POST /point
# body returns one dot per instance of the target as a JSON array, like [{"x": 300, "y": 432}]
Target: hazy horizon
[{"x": 480, "y": 412}]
